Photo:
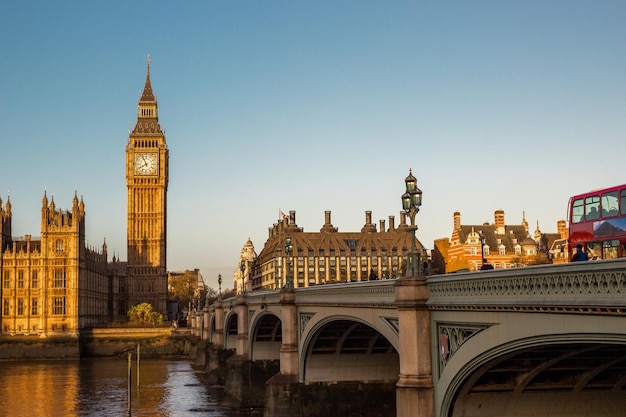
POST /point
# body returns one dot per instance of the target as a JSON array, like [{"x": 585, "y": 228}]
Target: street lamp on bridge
[
  {"x": 219, "y": 283},
  {"x": 411, "y": 202},
  {"x": 244, "y": 283},
  {"x": 288, "y": 251}
]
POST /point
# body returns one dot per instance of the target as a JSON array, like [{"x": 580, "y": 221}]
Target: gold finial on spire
[{"x": 148, "y": 62}]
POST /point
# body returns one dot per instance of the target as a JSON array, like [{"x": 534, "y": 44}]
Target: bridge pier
[
  {"x": 282, "y": 388},
  {"x": 206, "y": 323},
  {"x": 414, "y": 390},
  {"x": 241, "y": 306},
  {"x": 218, "y": 335}
]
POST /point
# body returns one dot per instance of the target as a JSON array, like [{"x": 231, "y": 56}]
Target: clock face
[{"x": 146, "y": 163}]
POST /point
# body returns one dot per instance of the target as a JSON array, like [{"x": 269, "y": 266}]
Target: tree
[
  {"x": 144, "y": 314},
  {"x": 182, "y": 287}
]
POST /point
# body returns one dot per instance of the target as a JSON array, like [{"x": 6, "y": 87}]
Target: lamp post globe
[{"x": 411, "y": 202}]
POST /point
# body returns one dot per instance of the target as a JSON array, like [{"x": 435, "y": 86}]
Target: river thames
[{"x": 99, "y": 387}]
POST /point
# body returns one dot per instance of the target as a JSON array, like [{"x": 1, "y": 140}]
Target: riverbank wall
[
  {"x": 34, "y": 348},
  {"x": 98, "y": 343}
]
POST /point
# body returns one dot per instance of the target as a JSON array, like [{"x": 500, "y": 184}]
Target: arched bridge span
[{"x": 492, "y": 343}]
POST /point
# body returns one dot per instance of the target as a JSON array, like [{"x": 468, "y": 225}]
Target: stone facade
[
  {"x": 242, "y": 277},
  {"x": 331, "y": 256},
  {"x": 54, "y": 285},
  {"x": 147, "y": 159}
]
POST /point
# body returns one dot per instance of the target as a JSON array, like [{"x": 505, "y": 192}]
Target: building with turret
[
  {"x": 147, "y": 176},
  {"x": 54, "y": 284},
  {"x": 242, "y": 276},
  {"x": 499, "y": 244}
]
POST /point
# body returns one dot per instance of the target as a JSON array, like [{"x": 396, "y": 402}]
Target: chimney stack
[
  {"x": 499, "y": 221},
  {"x": 457, "y": 220},
  {"x": 368, "y": 227},
  {"x": 561, "y": 227}
]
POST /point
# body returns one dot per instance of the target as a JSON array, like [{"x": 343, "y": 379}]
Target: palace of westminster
[{"x": 56, "y": 285}]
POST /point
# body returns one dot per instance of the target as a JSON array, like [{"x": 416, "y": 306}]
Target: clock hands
[{"x": 145, "y": 163}]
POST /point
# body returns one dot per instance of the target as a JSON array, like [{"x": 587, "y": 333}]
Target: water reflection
[{"x": 98, "y": 387}]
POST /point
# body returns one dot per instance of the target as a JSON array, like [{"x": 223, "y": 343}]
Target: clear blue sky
[{"x": 311, "y": 106}]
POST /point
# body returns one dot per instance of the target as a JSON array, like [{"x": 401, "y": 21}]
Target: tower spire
[
  {"x": 147, "y": 111},
  {"x": 147, "y": 95}
]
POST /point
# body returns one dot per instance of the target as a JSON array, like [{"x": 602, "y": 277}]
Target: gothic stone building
[
  {"x": 147, "y": 159},
  {"x": 329, "y": 255},
  {"x": 55, "y": 284}
]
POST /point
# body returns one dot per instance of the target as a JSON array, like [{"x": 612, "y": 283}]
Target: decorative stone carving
[
  {"x": 304, "y": 320},
  {"x": 451, "y": 337}
]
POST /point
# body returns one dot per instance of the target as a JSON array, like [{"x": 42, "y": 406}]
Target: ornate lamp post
[
  {"x": 219, "y": 283},
  {"x": 288, "y": 251},
  {"x": 244, "y": 286},
  {"x": 482, "y": 246},
  {"x": 411, "y": 202}
]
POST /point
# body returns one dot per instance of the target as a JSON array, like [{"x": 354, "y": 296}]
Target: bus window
[
  {"x": 609, "y": 249},
  {"x": 623, "y": 249},
  {"x": 591, "y": 208},
  {"x": 622, "y": 201},
  {"x": 594, "y": 250},
  {"x": 578, "y": 210},
  {"x": 609, "y": 204}
]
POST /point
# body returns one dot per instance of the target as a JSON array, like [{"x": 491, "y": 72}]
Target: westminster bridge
[{"x": 539, "y": 340}]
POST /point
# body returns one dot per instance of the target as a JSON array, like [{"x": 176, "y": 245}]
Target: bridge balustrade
[{"x": 591, "y": 287}]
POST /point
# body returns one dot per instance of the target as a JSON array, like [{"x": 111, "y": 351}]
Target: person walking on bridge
[
  {"x": 579, "y": 255},
  {"x": 486, "y": 265}
]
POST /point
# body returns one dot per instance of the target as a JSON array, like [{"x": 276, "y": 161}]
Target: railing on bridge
[
  {"x": 589, "y": 287},
  {"x": 378, "y": 293},
  {"x": 586, "y": 287}
]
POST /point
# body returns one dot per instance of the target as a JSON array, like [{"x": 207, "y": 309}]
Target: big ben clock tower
[{"x": 146, "y": 180}]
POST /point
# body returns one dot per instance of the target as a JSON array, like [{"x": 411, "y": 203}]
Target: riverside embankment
[{"x": 159, "y": 342}]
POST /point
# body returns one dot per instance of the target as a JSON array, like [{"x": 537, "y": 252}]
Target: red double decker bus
[{"x": 597, "y": 220}]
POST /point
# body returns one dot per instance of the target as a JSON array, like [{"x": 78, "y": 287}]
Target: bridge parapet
[
  {"x": 583, "y": 287},
  {"x": 378, "y": 293}
]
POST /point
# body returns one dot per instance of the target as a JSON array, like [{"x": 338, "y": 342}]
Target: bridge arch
[
  {"x": 266, "y": 337},
  {"x": 347, "y": 348},
  {"x": 212, "y": 328},
  {"x": 578, "y": 371},
  {"x": 230, "y": 330}
]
